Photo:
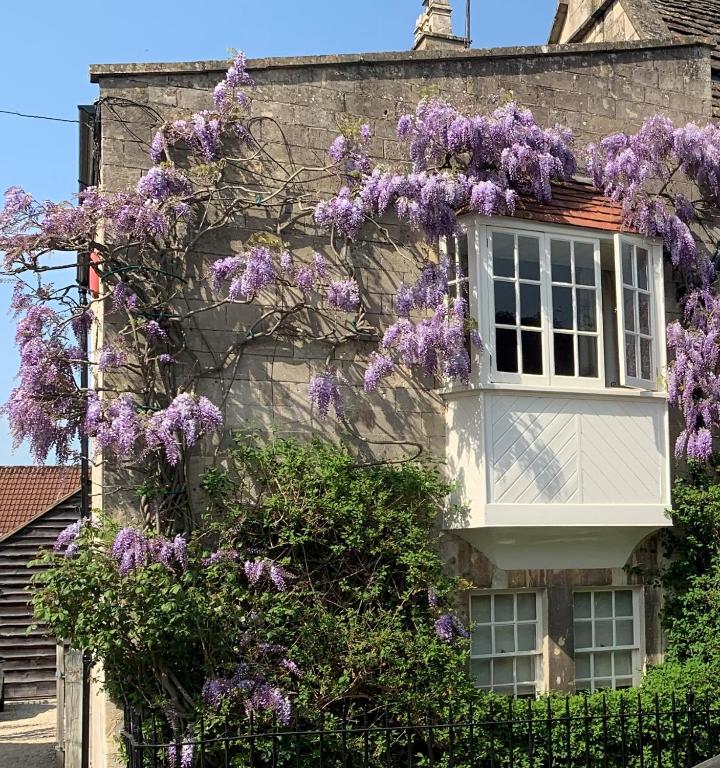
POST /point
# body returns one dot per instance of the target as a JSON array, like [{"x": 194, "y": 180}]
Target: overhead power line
[{"x": 38, "y": 117}]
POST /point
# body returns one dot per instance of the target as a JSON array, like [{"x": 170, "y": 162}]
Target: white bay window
[{"x": 566, "y": 307}]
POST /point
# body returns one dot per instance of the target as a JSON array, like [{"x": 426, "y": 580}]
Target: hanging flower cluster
[
  {"x": 132, "y": 549},
  {"x": 121, "y": 429},
  {"x": 480, "y": 163}
]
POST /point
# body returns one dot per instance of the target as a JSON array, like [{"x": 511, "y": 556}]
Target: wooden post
[
  {"x": 73, "y": 708},
  {"x": 60, "y": 704}
]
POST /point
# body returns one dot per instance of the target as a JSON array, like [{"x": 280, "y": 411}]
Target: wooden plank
[{"x": 73, "y": 709}]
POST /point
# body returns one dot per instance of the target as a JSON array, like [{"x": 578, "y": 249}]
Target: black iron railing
[{"x": 609, "y": 732}]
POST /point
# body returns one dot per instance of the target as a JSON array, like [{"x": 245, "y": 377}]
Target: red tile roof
[
  {"x": 26, "y": 492},
  {"x": 574, "y": 204}
]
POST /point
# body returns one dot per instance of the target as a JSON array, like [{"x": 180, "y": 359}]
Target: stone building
[{"x": 560, "y": 443}]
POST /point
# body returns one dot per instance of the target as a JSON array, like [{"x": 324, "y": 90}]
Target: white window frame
[
  {"x": 540, "y": 623},
  {"x": 654, "y": 257},
  {"x": 482, "y": 301},
  {"x": 637, "y": 649}
]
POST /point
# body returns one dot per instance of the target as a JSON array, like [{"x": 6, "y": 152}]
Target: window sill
[{"x": 465, "y": 390}]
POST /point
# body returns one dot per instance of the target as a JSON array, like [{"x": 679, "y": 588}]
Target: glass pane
[
  {"x": 480, "y": 642},
  {"x": 602, "y": 683},
  {"x": 630, "y": 355},
  {"x": 604, "y": 634},
  {"x": 564, "y": 354},
  {"x": 587, "y": 356},
  {"x": 644, "y": 313},
  {"x": 623, "y": 682},
  {"x": 505, "y": 638},
  {"x": 603, "y": 604},
  {"x": 562, "y": 308},
  {"x": 524, "y": 669},
  {"x": 463, "y": 255},
  {"x": 642, "y": 268},
  {"x": 529, "y": 257},
  {"x": 531, "y": 352},
  {"x": 602, "y": 664},
  {"x": 480, "y": 608},
  {"x": 583, "y": 634},
  {"x": 526, "y": 605},
  {"x": 504, "y": 607},
  {"x": 627, "y": 260},
  {"x": 624, "y": 632},
  {"x": 586, "y": 310},
  {"x": 582, "y": 605},
  {"x": 530, "y": 305},
  {"x": 526, "y": 690},
  {"x": 623, "y": 663},
  {"x": 526, "y": 637},
  {"x": 480, "y": 671},
  {"x": 629, "y": 308},
  {"x": 506, "y": 351},
  {"x": 560, "y": 259},
  {"x": 584, "y": 263},
  {"x": 582, "y": 685},
  {"x": 503, "y": 671},
  {"x": 582, "y": 665},
  {"x": 505, "y": 313},
  {"x": 645, "y": 359},
  {"x": 503, "y": 246},
  {"x": 623, "y": 602}
]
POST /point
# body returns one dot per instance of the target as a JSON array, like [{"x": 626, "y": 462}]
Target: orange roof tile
[
  {"x": 574, "y": 204},
  {"x": 26, "y": 492}
]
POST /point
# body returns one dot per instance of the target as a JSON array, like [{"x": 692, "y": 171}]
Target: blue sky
[{"x": 48, "y": 45}]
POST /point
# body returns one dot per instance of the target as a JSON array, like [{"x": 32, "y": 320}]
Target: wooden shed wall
[{"x": 29, "y": 658}]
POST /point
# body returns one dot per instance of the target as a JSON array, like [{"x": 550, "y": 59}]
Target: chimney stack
[{"x": 433, "y": 30}]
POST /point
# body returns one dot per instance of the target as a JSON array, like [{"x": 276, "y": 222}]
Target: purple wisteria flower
[
  {"x": 161, "y": 184},
  {"x": 343, "y": 295},
  {"x": 448, "y": 627},
  {"x": 110, "y": 357},
  {"x": 324, "y": 391}
]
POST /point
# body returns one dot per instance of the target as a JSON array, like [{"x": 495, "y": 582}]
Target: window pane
[
  {"x": 630, "y": 355},
  {"x": 526, "y": 637},
  {"x": 582, "y": 605},
  {"x": 529, "y": 257},
  {"x": 531, "y": 352},
  {"x": 584, "y": 263},
  {"x": 623, "y": 663},
  {"x": 645, "y": 359},
  {"x": 642, "y": 268},
  {"x": 644, "y": 313},
  {"x": 583, "y": 635},
  {"x": 480, "y": 641},
  {"x": 629, "y": 309},
  {"x": 526, "y": 605},
  {"x": 587, "y": 357},
  {"x": 603, "y": 605},
  {"x": 524, "y": 669},
  {"x": 526, "y": 690},
  {"x": 624, "y": 632},
  {"x": 582, "y": 665},
  {"x": 505, "y": 313},
  {"x": 562, "y": 308},
  {"x": 504, "y": 690},
  {"x": 624, "y": 682},
  {"x": 463, "y": 254},
  {"x": 586, "y": 310},
  {"x": 604, "y": 634},
  {"x": 506, "y": 351},
  {"x": 564, "y": 354},
  {"x": 480, "y": 608},
  {"x": 530, "y": 305},
  {"x": 623, "y": 602},
  {"x": 602, "y": 664},
  {"x": 503, "y": 671},
  {"x": 505, "y": 638},
  {"x": 480, "y": 671},
  {"x": 582, "y": 685},
  {"x": 627, "y": 260},
  {"x": 504, "y": 608},
  {"x": 603, "y": 683},
  {"x": 560, "y": 260},
  {"x": 503, "y": 246}
]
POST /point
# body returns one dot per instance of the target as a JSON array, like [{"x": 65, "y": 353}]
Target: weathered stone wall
[{"x": 594, "y": 89}]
